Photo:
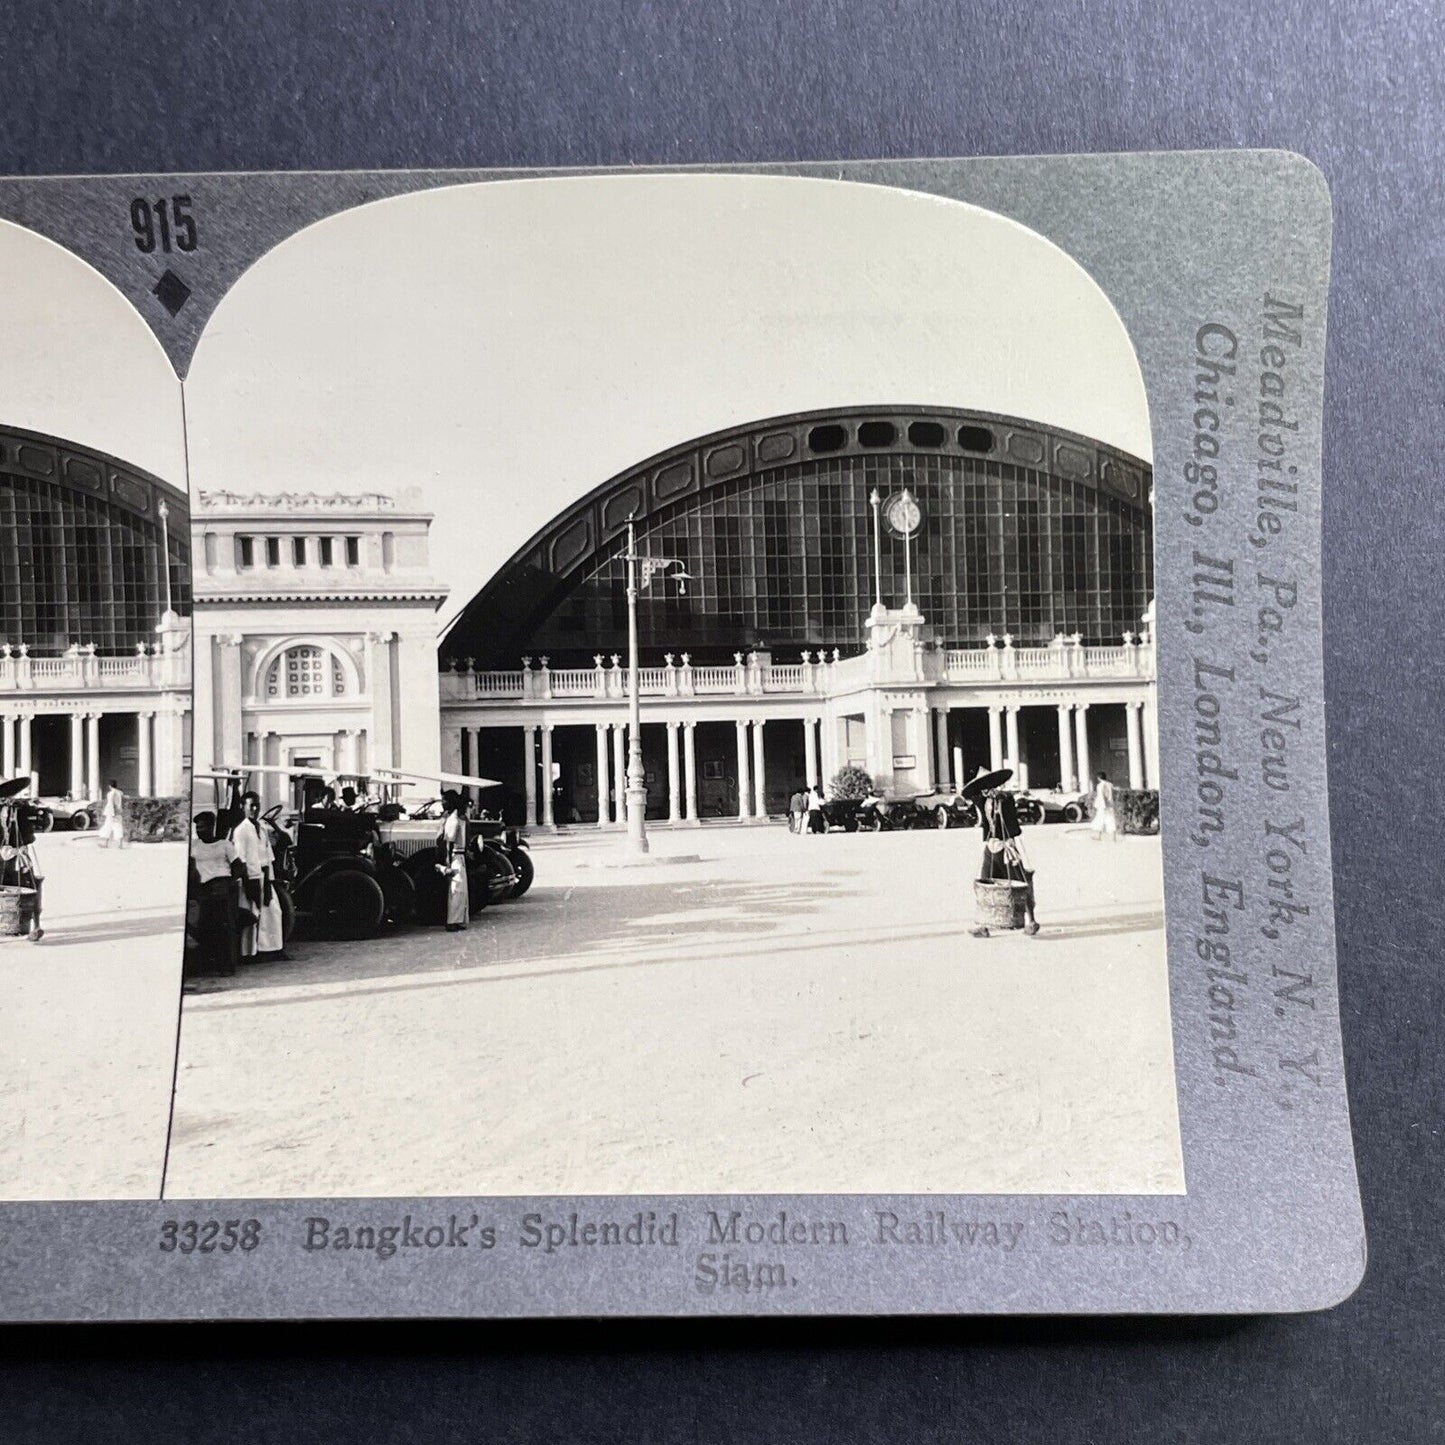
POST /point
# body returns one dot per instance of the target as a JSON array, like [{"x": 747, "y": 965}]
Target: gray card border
[{"x": 1271, "y": 1220}]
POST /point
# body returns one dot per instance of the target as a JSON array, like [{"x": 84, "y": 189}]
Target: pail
[
  {"x": 17, "y": 910},
  {"x": 1000, "y": 902}
]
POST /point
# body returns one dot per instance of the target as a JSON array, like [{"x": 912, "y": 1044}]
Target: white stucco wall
[{"x": 508, "y": 346}]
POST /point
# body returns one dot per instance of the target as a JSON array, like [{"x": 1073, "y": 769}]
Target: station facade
[
  {"x": 1013, "y": 627},
  {"x": 315, "y": 633},
  {"x": 95, "y": 635}
]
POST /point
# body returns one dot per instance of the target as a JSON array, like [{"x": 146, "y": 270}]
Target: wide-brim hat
[
  {"x": 985, "y": 782},
  {"x": 13, "y": 786}
]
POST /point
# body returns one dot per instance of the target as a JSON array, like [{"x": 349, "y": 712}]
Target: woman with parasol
[{"x": 1004, "y": 860}]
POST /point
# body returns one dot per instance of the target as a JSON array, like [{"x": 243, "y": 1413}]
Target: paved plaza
[
  {"x": 750, "y": 1011},
  {"x": 90, "y": 1024}
]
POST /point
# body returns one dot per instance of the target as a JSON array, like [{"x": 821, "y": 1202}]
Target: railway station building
[
  {"x": 95, "y": 655},
  {"x": 1013, "y": 627}
]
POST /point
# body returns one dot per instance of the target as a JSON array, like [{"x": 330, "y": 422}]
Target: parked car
[
  {"x": 948, "y": 810},
  {"x": 892, "y": 815},
  {"x": 1056, "y": 807},
  {"x": 77, "y": 814}
]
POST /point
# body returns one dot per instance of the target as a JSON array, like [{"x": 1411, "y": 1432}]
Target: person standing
[
  {"x": 452, "y": 847},
  {"x": 262, "y": 934},
  {"x": 18, "y": 859},
  {"x": 1004, "y": 859},
  {"x": 112, "y": 819},
  {"x": 213, "y": 875},
  {"x": 1105, "y": 819},
  {"x": 798, "y": 809}
]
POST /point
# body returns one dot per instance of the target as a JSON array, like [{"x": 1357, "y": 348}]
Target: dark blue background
[{"x": 1358, "y": 88}]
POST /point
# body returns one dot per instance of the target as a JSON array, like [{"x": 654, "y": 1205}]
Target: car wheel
[
  {"x": 288, "y": 912},
  {"x": 44, "y": 821},
  {"x": 526, "y": 871},
  {"x": 478, "y": 888},
  {"x": 943, "y": 817},
  {"x": 429, "y": 888},
  {"x": 400, "y": 894},
  {"x": 80, "y": 821},
  {"x": 1073, "y": 813},
  {"x": 349, "y": 905}
]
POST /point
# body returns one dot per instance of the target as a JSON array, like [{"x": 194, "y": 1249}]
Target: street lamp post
[
  {"x": 165, "y": 513},
  {"x": 636, "y": 773}
]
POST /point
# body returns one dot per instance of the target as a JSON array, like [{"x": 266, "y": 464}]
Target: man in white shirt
[
  {"x": 262, "y": 935},
  {"x": 112, "y": 821},
  {"x": 1106, "y": 822}
]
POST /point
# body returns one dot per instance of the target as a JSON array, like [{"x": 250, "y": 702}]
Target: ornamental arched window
[{"x": 306, "y": 672}]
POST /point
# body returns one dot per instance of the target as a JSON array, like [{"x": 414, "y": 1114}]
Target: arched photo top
[
  {"x": 510, "y": 345},
  {"x": 79, "y": 363}
]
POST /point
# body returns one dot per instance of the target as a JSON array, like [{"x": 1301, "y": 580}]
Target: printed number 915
[
  {"x": 167, "y": 224},
  {"x": 205, "y": 1236}
]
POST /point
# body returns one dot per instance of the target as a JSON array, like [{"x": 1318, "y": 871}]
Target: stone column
[
  {"x": 760, "y": 788},
  {"x": 25, "y": 762},
  {"x": 604, "y": 779},
  {"x": 810, "y": 750},
  {"x": 944, "y": 776},
  {"x": 674, "y": 775},
  {"x": 77, "y": 755},
  {"x": 689, "y": 769},
  {"x": 379, "y": 679},
  {"x": 7, "y": 746},
  {"x": 1136, "y": 751},
  {"x": 744, "y": 782},
  {"x": 619, "y": 772},
  {"x": 1081, "y": 735},
  {"x": 351, "y": 750},
  {"x": 226, "y": 719},
  {"x": 995, "y": 738},
  {"x": 92, "y": 752},
  {"x": 1066, "y": 749},
  {"x": 1011, "y": 720},
  {"x": 529, "y": 770},
  {"x": 144, "y": 784},
  {"x": 1151, "y": 741},
  {"x": 548, "y": 817}
]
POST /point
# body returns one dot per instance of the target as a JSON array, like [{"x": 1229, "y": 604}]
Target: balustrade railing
[
  {"x": 83, "y": 669},
  {"x": 1065, "y": 658}
]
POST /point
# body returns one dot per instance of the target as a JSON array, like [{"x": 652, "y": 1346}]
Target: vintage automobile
[
  {"x": 331, "y": 863},
  {"x": 77, "y": 814},
  {"x": 1054, "y": 807},
  {"x": 500, "y": 853},
  {"x": 892, "y": 815},
  {"x": 948, "y": 810}
]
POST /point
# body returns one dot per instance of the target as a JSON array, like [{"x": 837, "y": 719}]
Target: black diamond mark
[{"x": 172, "y": 292}]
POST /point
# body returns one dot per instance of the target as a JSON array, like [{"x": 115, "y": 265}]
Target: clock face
[{"x": 903, "y": 514}]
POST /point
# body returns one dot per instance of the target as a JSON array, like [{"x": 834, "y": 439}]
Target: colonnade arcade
[{"x": 733, "y": 743}]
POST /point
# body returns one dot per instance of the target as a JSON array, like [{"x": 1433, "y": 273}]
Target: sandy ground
[
  {"x": 88, "y": 1024},
  {"x": 752, "y": 1012}
]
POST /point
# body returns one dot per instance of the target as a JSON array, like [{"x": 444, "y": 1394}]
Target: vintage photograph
[
  {"x": 95, "y": 689},
  {"x": 675, "y": 706}
]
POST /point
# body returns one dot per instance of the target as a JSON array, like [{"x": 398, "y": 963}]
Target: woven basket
[
  {"x": 17, "y": 910},
  {"x": 1000, "y": 902}
]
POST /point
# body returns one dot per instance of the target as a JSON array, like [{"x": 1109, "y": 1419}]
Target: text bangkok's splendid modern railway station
[{"x": 917, "y": 592}]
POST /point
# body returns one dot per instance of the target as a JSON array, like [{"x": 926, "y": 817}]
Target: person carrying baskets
[
  {"x": 1005, "y": 886},
  {"x": 21, "y": 877}
]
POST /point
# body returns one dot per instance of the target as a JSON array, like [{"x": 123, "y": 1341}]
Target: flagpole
[
  {"x": 908, "y": 558},
  {"x": 875, "y": 501}
]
